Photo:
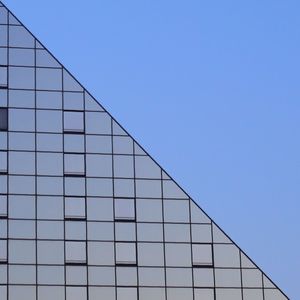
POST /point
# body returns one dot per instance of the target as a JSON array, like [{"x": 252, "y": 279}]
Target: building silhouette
[{"x": 85, "y": 212}]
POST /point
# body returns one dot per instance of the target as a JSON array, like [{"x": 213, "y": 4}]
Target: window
[
  {"x": 127, "y": 293},
  {"x": 124, "y": 209},
  {"x": 3, "y": 77},
  {"x": 75, "y": 252},
  {"x": 76, "y": 292},
  {"x": 3, "y": 162},
  {"x": 202, "y": 255},
  {"x": 3, "y": 206},
  {"x": 74, "y": 208},
  {"x": 74, "y": 164},
  {"x": 3, "y": 251},
  {"x": 126, "y": 253},
  {"x": 3, "y": 119},
  {"x": 73, "y": 121}
]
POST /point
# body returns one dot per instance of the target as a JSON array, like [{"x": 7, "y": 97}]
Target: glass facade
[{"x": 85, "y": 212}]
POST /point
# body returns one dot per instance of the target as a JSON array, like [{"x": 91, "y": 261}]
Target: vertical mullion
[
  {"x": 164, "y": 239},
  {"x": 35, "y": 139},
  {"x": 191, "y": 243},
  {"x": 241, "y": 274},
  {"x": 64, "y": 183},
  {"x": 213, "y": 257},
  {"x": 7, "y": 147},
  {"x": 113, "y": 199},
  {"x": 86, "y": 222},
  {"x": 135, "y": 218}
]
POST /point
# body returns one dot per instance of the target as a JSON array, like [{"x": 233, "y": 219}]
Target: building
[{"x": 85, "y": 212}]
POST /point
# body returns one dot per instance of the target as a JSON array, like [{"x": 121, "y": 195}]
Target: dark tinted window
[{"x": 3, "y": 118}]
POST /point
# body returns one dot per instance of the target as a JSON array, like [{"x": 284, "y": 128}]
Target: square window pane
[
  {"x": 74, "y": 208},
  {"x": 101, "y": 253},
  {"x": 75, "y": 252},
  {"x": 49, "y": 121},
  {"x": 3, "y": 98},
  {"x": 50, "y": 275},
  {"x": 98, "y": 123},
  {"x": 3, "y": 140},
  {"x": 124, "y": 209},
  {"x": 21, "y": 57},
  {"x": 74, "y": 143},
  {"x": 207, "y": 294},
  {"x": 98, "y": 165},
  {"x": 49, "y": 99},
  {"x": 125, "y": 231},
  {"x": 50, "y": 164},
  {"x": 149, "y": 210},
  {"x": 3, "y": 250},
  {"x": 76, "y": 292},
  {"x": 176, "y": 211},
  {"x": 3, "y": 77},
  {"x": 126, "y": 276},
  {"x": 20, "y": 37},
  {"x": 22, "y": 229},
  {"x": 201, "y": 233},
  {"x": 50, "y": 230},
  {"x": 3, "y": 119},
  {"x": 21, "y": 207},
  {"x": 74, "y": 164},
  {"x": 100, "y": 231},
  {"x": 98, "y": 144},
  {"x": 21, "y": 98},
  {"x": 76, "y": 275},
  {"x": 73, "y": 121},
  {"x": 49, "y": 142},
  {"x": 26, "y": 256},
  {"x": 151, "y": 254},
  {"x": 21, "y": 78},
  {"x": 22, "y": 163},
  {"x": 50, "y": 208},
  {"x": 100, "y": 209},
  {"x": 123, "y": 166},
  {"x": 50, "y": 252},
  {"x": 73, "y": 101},
  {"x": 126, "y": 253},
  {"x": 22, "y": 291},
  {"x": 178, "y": 255},
  {"x": 204, "y": 277},
  {"x": 74, "y": 186},
  {"x": 48, "y": 79},
  {"x": 3, "y": 206},
  {"x": 3, "y": 162},
  {"x": 75, "y": 230},
  {"x": 127, "y": 293},
  {"x": 21, "y": 141},
  {"x": 51, "y": 292},
  {"x": 22, "y": 120},
  {"x": 3, "y": 233},
  {"x": 202, "y": 255}
]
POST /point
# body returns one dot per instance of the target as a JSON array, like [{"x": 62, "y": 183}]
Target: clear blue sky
[{"x": 211, "y": 89}]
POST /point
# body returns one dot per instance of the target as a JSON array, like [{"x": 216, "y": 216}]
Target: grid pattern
[{"x": 85, "y": 213}]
